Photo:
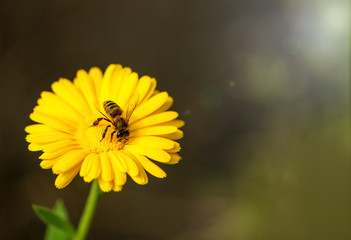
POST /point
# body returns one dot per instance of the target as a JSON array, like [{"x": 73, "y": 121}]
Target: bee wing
[{"x": 131, "y": 105}]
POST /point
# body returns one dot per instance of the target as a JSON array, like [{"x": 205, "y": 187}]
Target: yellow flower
[{"x": 72, "y": 140}]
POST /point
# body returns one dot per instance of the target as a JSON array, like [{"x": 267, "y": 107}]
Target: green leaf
[
  {"x": 51, "y": 232},
  {"x": 55, "y": 220}
]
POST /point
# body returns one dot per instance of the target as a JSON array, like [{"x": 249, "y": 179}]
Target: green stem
[{"x": 89, "y": 210}]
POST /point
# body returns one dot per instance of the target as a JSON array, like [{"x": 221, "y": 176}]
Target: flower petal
[
  {"x": 58, "y": 152},
  {"x": 149, "y": 166},
  {"x": 51, "y": 104},
  {"x": 150, "y": 91},
  {"x": 53, "y": 146},
  {"x": 177, "y": 123},
  {"x": 143, "y": 87},
  {"x": 152, "y": 141},
  {"x": 175, "y": 149},
  {"x": 133, "y": 169},
  {"x": 127, "y": 89},
  {"x": 167, "y": 105},
  {"x": 153, "y": 153},
  {"x": 106, "y": 168},
  {"x": 46, "y": 137},
  {"x": 47, "y": 164},
  {"x": 153, "y": 120},
  {"x": 175, "y": 158},
  {"x": 85, "y": 83},
  {"x": 69, "y": 160},
  {"x": 52, "y": 122},
  {"x": 38, "y": 128},
  {"x": 95, "y": 169},
  {"x": 86, "y": 165},
  {"x": 175, "y": 135},
  {"x": 64, "y": 178},
  {"x": 120, "y": 178},
  {"x": 141, "y": 178},
  {"x": 117, "y": 161},
  {"x": 117, "y": 188},
  {"x": 106, "y": 186},
  {"x": 70, "y": 94},
  {"x": 105, "y": 91},
  {"x": 96, "y": 75},
  {"x": 149, "y": 106},
  {"x": 158, "y": 130}
]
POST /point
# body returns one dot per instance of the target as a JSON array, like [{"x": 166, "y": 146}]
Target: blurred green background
[{"x": 263, "y": 87}]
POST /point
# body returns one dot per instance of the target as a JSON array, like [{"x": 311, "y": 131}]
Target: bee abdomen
[{"x": 112, "y": 109}]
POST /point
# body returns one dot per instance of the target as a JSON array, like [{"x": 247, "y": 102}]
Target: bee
[{"x": 114, "y": 117}]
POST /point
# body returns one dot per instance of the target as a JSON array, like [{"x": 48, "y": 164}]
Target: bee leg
[
  {"x": 96, "y": 122},
  {"x": 112, "y": 135},
  {"x": 103, "y": 135}
]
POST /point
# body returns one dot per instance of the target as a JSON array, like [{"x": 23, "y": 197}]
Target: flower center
[{"x": 91, "y": 138}]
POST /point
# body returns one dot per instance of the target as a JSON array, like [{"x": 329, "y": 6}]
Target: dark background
[{"x": 263, "y": 87}]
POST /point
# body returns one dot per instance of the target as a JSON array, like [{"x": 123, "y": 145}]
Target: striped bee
[{"x": 114, "y": 116}]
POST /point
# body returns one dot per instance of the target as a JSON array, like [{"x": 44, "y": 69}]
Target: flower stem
[{"x": 89, "y": 210}]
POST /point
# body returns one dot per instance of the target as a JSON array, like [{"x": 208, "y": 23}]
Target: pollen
[{"x": 91, "y": 139}]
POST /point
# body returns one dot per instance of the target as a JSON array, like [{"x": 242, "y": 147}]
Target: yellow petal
[
  {"x": 105, "y": 91},
  {"x": 175, "y": 149},
  {"x": 35, "y": 147},
  {"x": 86, "y": 165},
  {"x": 39, "y": 128},
  {"x": 127, "y": 89},
  {"x": 167, "y": 105},
  {"x": 48, "y": 137},
  {"x": 117, "y": 161},
  {"x": 58, "y": 152},
  {"x": 47, "y": 164},
  {"x": 120, "y": 179},
  {"x": 70, "y": 94},
  {"x": 70, "y": 160},
  {"x": 158, "y": 130},
  {"x": 55, "y": 146},
  {"x": 63, "y": 179},
  {"x": 117, "y": 80},
  {"x": 106, "y": 168},
  {"x": 113, "y": 82},
  {"x": 177, "y": 123},
  {"x": 96, "y": 75},
  {"x": 149, "y": 166},
  {"x": 143, "y": 87},
  {"x": 152, "y": 141},
  {"x": 175, "y": 135},
  {"x": 105, "y": 186},
  {"x": 153, "y": 153},
  {"x": 150, "y": 91},
  {"x": 149, "y": 106},
  {"x": 95, "y": 169},
  {"x": 133, "y": 169},
  {"x": 141, "y": 178},
  {"x": 175, "y": 158},
  {"x": 154, "y": 119},
  {"x": 53, "y": 106},
  {"x": 85, "y": 83},
  {"x": 117, "y": 188},
  {"x": 52, "y": 122}
]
